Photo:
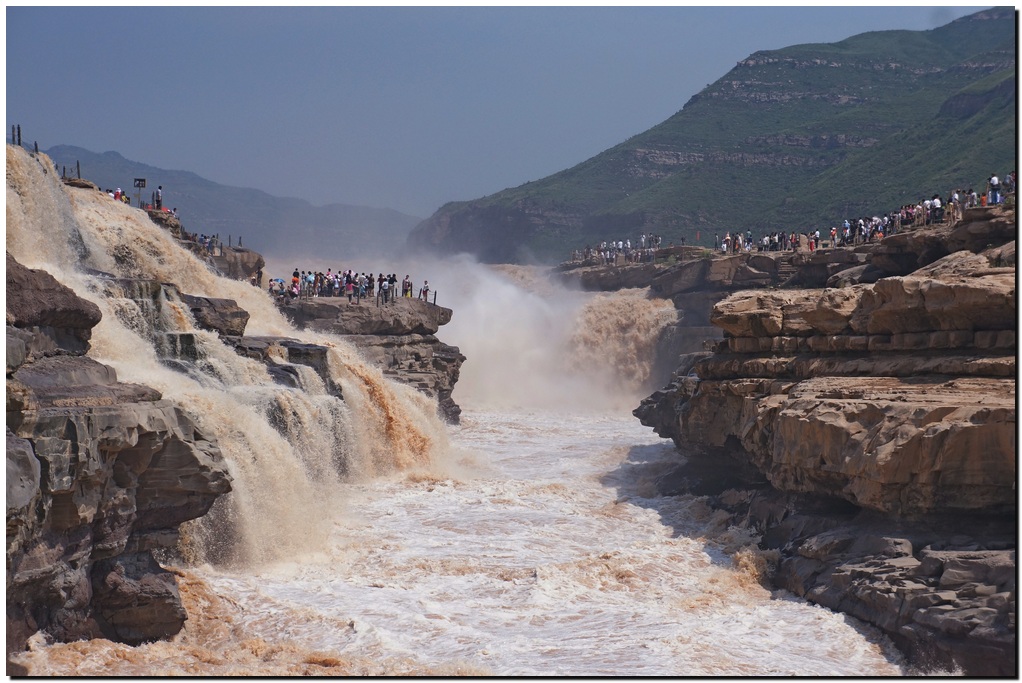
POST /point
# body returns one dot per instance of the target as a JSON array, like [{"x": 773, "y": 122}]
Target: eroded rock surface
[
  {"x": 99, "y": 475},
  {"x": 335, "y": 315},
  {"x": 892, "y": 395},
  {"x": 942, "y": 588},
  {"x": 897, "y": 396},
  {"x": 398, "y": 337}
]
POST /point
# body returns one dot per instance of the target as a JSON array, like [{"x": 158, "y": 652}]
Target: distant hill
[
  {"x": 788, "y": 139},
  {"x": 272, "y": 226}
]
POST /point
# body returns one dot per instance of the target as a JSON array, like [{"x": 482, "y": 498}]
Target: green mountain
[
  {"x": 789, "y": 139},
  {"x": 272, "y": 226}
]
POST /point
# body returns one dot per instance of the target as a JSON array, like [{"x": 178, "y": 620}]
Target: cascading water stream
[{"x": 285, "y": 447}]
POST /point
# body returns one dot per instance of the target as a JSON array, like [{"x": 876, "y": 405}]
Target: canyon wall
[
  {"x": 868, "y": 430},
  {"x": 398, "y": 337},
  {"x": 100, "y": 474}
]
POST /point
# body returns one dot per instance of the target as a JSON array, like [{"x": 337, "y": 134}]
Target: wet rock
[
  {"x": 99, "y": 474},
  {"x": 40, "y": 305},
  {"x": 422, "y": 361},
  {"x": 222, "y": 316},
  {"x": 397, "y": 337},
  {"x": 136, "y": 600}
]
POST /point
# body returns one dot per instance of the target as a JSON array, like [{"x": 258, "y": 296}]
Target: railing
[{"x": 77, "y": 169}]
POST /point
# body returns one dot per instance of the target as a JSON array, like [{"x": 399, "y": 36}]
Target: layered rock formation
[
  {"x": 894, "y": 402},
  {"x": 399, "y": 337},
  {"x": 100, "y": 474}
]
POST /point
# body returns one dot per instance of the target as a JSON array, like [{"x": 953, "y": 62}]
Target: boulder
[
  {"x": 38, "y": 303},
  {"x": 222, "y": 316}
]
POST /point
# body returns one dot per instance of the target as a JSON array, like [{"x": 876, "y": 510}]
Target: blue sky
[{"x": 399, "y": 107}]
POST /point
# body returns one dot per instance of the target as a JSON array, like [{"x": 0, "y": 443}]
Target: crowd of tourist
[
  {"x": 935, "y": 210},
  {"x": 121, "y": 196},
  {"x": 210, "y": 244},
  {"x": 621, "y": 251},
  {"x": 356, "y": 286}
]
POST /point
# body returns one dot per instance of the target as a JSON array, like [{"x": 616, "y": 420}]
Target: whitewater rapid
[
  {"x": 556, "y": 559},
  {"x": 529, "y": 540},
  {"x": 550, "y": 554}
]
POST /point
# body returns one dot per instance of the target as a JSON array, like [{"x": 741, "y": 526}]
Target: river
[{"x": 527, "y": 541}]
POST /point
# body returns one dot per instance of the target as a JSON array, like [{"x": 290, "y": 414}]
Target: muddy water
[
  {"x": 527, "y": 541},
  {"x": 549, "y": 554}
]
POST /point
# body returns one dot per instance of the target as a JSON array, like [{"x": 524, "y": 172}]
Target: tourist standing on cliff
[
  {"x": 993, "y": 189},
  {"x": 159, "y": 197},
  {"x": 349, "y": 288}
]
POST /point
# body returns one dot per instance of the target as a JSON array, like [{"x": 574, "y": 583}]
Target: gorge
[{"x": 144, "y": 390}]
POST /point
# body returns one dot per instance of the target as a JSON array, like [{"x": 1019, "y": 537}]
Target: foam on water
[{"x": 550, "y": 558}]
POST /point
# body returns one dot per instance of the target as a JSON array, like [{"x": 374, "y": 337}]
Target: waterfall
[
  {"x": 533, "y": 343},
  {"x": 287, "y": 448}
]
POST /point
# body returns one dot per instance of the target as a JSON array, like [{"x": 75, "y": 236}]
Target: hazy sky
[{"x": 400, "y": 107}]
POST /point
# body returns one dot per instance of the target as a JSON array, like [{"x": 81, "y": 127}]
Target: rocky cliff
[
  {"x": 100, "y": 474},
  {"x": 399, "y": 338},
  {"x": 868, "y": 431}
]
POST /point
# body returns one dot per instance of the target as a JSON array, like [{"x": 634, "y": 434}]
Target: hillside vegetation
[{"x": 788, "y": 139}]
